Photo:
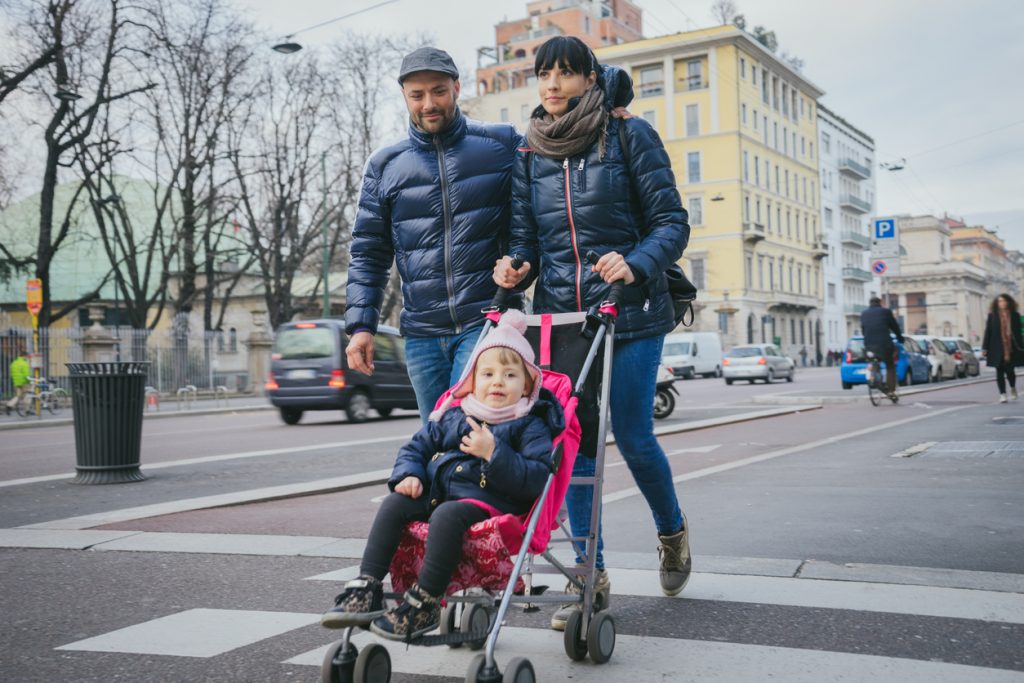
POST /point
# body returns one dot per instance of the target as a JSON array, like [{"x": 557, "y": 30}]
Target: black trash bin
[{"x": 108, "y": 401}]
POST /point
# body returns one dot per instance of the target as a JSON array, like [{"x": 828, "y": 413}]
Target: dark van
[{"x": 308, "y": 371}]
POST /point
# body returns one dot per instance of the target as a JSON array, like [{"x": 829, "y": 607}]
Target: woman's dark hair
[
  {"x": 1010, "y": 303},
  {"x": 569, "y": 52}
]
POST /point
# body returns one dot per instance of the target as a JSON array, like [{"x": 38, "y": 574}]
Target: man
[
  {"x": 437, "y": 203},
  {"x": 20, "y": 372},
  {"x": 877, "y": 322}
]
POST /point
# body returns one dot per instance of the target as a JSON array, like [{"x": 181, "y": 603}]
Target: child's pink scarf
[{"x": 478, "y": 410}]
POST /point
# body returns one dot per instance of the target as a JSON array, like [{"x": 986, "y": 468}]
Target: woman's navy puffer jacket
[
  {"x": 438, "y": 206},
  {"x": 563, "y": 208}
]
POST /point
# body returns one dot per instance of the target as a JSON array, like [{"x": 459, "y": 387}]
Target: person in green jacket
[{"x": 19, "y": 378}]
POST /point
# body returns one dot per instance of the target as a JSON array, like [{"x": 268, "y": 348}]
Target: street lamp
[{"x": 65, "y": 93}]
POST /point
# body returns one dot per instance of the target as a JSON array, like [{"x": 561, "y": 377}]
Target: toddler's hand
[
  {"x": 410, "y": 486},
  {"x": 479, "y": 442}
]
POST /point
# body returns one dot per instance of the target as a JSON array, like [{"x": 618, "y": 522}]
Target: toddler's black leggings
[{"x": 448, "y": 525}]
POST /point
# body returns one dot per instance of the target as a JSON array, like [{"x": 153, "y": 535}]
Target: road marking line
[
  {"x": 648, "y": 658},
  {"x": 914, "y": 450}
]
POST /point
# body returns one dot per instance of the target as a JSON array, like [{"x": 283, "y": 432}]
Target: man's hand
[
  {"x": 506, "y": 276},
  {"x": 479, "y": 442},
  {"x": 410, "y": 486},
  {"x": 612, "y": 267},
  {"x": 360, "y": 353}
]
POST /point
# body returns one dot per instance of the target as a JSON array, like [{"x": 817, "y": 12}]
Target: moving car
[
  {"x": 757, "y": 361},
  {"x": 967, "y": 363},
  {"x": 912, "y": 367},
  {"x": 308, "y": 371},
  {"x": 942, "y": 361},
  {"x": 693, "y": 353}
]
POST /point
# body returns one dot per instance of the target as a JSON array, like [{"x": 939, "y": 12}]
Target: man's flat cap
[{"x": 428, "y": 59}]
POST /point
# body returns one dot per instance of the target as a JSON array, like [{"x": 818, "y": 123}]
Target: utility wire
[
  {"x": 972, "y": 137},
  {"x": 344, "y": 16}
]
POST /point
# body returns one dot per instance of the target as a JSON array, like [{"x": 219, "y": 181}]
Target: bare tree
[{"x": 724, "y": 11}]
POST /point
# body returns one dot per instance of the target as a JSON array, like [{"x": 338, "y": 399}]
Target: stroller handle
[
  {"x": 615, "y": 296},
  {"x": 501, "y": 296}
]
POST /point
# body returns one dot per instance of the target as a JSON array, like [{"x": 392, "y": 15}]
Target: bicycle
[
  {"x": 876, "y": 381},
  {"x": 41, "y": 396}
]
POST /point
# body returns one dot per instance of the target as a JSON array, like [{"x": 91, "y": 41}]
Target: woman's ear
[{"x": 591, "y": 79}]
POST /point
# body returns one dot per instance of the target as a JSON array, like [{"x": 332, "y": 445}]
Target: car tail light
[
  {"x": 337, "y": 380},
  {"x": 306, "y": 326},
  {"x": 958, "y": 355},
  {"x": 762, "y": 361},
  {"x": 271, "y": 383},
  {"x": 725, "y": 361},
  {"x": 670, "y": 369},
  {"x": 849, "y": 357}
]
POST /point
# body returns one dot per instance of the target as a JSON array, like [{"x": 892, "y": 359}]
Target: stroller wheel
[
  {"x": 338, "y": 663},
  {"x": 476, "y": 667},
  {"x": 572, "y": 637},
  {"x": 475, "y": 619},
  {"x": 519, "y": 670},
  {"x": 601, "y": 637},
  {"x": 448, "y": 623},
  {"x": 373, "y": 665}
]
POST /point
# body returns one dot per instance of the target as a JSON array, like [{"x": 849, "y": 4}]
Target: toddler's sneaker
[
  {"x": 602, "y": 596},
  {"x": 417, "y": 615},
  {"x": 361, "y": 602}
]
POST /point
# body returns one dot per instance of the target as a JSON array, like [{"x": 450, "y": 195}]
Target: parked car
[
  {"x": 912, "y": 367},
  {"x": 942, "y": 361},
  {"x": 967, "y": 363},
  {"x": 693, "y": 353},
  {"x": 308, "y": 371},
  {"x": 757, "y": 361}
]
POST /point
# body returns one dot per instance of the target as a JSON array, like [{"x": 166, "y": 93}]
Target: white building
[{"x": 846, "y": 158}]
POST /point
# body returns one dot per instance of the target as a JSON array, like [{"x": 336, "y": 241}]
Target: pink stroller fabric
[{"x": 490, "y": 547}]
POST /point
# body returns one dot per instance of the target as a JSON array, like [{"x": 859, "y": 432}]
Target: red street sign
[{"x": 34, "y": 295}]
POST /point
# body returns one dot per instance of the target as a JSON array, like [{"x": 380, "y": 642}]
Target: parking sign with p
[{"x": 885, "y": 229}]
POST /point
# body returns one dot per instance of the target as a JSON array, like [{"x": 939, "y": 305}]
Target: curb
[{"x": 60, "y": 421}]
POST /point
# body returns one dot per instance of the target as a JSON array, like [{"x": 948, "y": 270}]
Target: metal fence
[{"x": 178, "y": 358}]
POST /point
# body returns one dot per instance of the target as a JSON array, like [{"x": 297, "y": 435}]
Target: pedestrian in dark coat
[{"x": 1003, "y": 343}]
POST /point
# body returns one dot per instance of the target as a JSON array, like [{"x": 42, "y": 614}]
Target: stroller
[{"x": 498, "y": 554}]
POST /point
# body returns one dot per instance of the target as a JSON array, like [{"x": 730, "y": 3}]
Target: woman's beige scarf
[{"x": 573, "y": 133}]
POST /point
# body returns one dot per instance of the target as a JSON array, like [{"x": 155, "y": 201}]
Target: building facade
[
  {"x": 847, "y": 201},
  {"x": 740, "y": 128}
]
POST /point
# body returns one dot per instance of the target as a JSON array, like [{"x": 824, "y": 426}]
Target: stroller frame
[{"x": 589, "y": 630}]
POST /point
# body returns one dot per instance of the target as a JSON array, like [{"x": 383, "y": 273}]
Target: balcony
[
  {"x": 855, "y": 204},
  {"x": 691, "y": 83},
  {"x": 857, "y": 274},
  {"x": 788, "y": 302},
  {"x": 753, "y": 232},
  {"x": 854, "y": 309},
  {"x": 853, "y": 169},
  {"x": 652, "y": 89},
  {"x": 856, "y": 238},
  {"x": 819, "y": 250},
  {"x": 537, "y": 33}
]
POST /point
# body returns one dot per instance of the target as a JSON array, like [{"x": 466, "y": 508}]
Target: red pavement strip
[{"x": 348, "y": 514}]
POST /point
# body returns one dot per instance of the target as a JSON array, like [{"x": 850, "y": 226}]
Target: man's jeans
[
  {"x": 436, "y": 363},
  {"x": 634, "y": 369}
]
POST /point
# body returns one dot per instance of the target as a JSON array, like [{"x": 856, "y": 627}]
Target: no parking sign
[{"x": 885, "y": 268}]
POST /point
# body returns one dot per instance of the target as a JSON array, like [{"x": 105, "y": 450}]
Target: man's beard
[{"x": 437, "y": 125}]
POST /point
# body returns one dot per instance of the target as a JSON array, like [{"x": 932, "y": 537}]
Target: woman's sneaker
[
  {"x": 674, "y": 552},
  {"x": 602, "y": 597},
  {"x": 417, "y": 615},
  {"x": 361, "y": 602}
]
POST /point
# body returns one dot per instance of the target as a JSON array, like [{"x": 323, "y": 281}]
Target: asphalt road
[{"x": 818, "y": 555}]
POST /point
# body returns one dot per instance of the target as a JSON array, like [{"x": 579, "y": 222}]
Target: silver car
[
  {"x": 942, "y": 361},
  {"x": 757, "y": 361},
  {"x": 967, "y": 363}
]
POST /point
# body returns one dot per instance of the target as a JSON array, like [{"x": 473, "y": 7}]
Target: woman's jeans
[
  {"x": 435, "y": 364},
  {"x": 634, "y": 369},
  {"x": 1004, "y": 372},
  {"x": 449, "y": 523}
]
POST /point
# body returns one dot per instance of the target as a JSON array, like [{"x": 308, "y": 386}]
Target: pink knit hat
[{"x": 508, "y": 334}]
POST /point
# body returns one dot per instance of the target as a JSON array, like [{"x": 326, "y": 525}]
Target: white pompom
[{"x": 515, "y": 319}]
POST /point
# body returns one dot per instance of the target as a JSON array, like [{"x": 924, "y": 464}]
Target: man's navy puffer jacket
[
  {"x": 563, "y": 208},
  {"x": 513, "y": 478},
  {"x": 439, "y": 206}
]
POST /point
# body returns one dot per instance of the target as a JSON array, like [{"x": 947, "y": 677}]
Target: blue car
[{"x": 912, "y": 367}]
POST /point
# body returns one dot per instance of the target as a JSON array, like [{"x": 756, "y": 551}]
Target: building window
[
  {"x": 504, "y": 115},
  {"x": 764, "y": 119},
  {"x": 693, "y": 167},
  {"x": 695, "y": 206},
  {"x": 753, "y": 74},
  {"x": 757, "y": 210},
  {"x": 697, "y": 273},
  {"x": 826, "y": 143},
  {"x": 792, "y": 329},
  {"x": 746, "y": 167},
  {"x": 800, "y": 280},
  {"x": 801, "y": 106},
  {"x": 768, "y": 211},
  {"x": 750, "y": 271},
  {"x": 793, "y": 95},
  {"x": 771, "y": 273},
  {"x": 789, "y": 232},
  {"x": 811, "y": 150},
  {"x": 652, "y": 81},
  {"x": 803, "y": 327},
  {"x": 831, "y": 292},
  {"x": 787, "y": 182},
  {"x": 743, "y": 113},
  {"x": 764, "y": 87},
  {"x": 828, "y": 218},
  {"x": 760, "y": 272},
  {"x": 785, "y": 141},
  {"x": 586, "y": 25},
  {"x": 233, "y": 340},
  {"x": 767, "y": 176},
  {"x": 755, "y": 118},
  {"x": 220, "y": 341},
  {"x": 746, "y": 208},
  {"x": 805, "y": 190},
  {"x": 743, "y": 68},
  {"x": 775, "y": 93},
  {"x": 757, "y": 170},
  {"x": 785, "y": 100},
  {"x": 693, "y": 78},
  {"x": 692, "y": 120},
  {"x": 777, "y": 179},
  {"x": 775, "y": 134},
  {"x": 650, "y": 117}
]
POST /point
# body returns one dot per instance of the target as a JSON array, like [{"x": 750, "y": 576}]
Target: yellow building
[{"x": 739, "y": 125}]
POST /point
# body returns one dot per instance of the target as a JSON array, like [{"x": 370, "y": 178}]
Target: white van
[{"x": 693, "y": 353}]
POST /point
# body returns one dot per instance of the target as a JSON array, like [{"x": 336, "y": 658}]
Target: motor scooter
[{"x": 664, "y": 401}]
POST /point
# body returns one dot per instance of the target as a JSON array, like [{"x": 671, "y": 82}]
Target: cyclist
[
  {"x": 19, "y": 378},
  {"x": 877, "y": 322}
]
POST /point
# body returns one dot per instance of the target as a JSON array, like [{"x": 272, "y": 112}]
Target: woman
[
  {"x": 1002, "y": 339},
  {"x": 576, "y": 189}
]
